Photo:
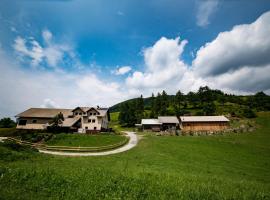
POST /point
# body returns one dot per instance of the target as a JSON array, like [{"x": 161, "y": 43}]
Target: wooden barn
[{"x": 204, "y": 123}]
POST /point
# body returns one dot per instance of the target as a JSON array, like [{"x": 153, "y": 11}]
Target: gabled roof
[
  {"x": 204, "y": 119},
  {"x": 68, "y": 122},
  {"x": 168, "y": 120},
  {"x": 102, "y": 111},
  {"x": 52, "y": 112},
  {"x": 44, "y": 112},
  {"x": 150, "y": 122}
]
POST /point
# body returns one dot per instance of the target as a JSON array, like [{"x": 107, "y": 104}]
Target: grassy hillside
[
  {"x": 234, "y": 166},
  {"x": 76, "y": 140}
]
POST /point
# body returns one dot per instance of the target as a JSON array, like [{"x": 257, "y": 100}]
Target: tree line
[{"x": 205, "y": 101}]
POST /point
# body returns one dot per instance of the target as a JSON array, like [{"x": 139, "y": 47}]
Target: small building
[
  {"x": 150, "y": 124},
  {"x": 169, "y": 122},
  {"x": 203, "y": 123},
  {"x": 81, "y": 119}
]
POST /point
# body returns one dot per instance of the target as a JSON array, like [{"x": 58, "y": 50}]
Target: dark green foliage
[
  {"x": 179, "y": 103},
  {"x": 152, "y": 106},
  {"x": 127, "y": 115},
  {"x": 205, "y": 101},
  {"x": 57, "y": 120},
  {"x": 249, "y": 113},
  {"x": 139, "y": 109},
  {"x": 209, "y": 108},
  {"x": 164, "y": 104},
  {"x": 7, "y": 123}
]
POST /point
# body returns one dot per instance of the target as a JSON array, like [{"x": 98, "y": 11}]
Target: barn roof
[
  {"x": 204, "y": 119},
  {"x": 150, "y": 122},
  {"x": 44, "y": 112},
  {"x": 168, "y": 120},
  {"x": 52, "y": 112}
]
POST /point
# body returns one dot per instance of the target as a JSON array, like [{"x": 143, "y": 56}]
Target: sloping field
[{"x": 206, "y": 167}]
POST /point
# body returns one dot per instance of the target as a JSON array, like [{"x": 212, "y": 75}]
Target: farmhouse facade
[
  {"x": 80, "y": 119},
  {"x": 185, "y": 123}
]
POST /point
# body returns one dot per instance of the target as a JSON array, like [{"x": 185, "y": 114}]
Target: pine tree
[
  {"x": 164, "y": 103},
  {"x": 152, "y": 106},
  {"x": 178, "y": 103},
  {"x": 158, "y": 104},
  {"x": 139, "y": 109}
]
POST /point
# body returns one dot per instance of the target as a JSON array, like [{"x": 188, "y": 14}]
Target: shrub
[{"x": 249, "y": 113}]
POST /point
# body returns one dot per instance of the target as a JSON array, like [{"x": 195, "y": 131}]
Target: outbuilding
[{"x": 204, "y": 123}]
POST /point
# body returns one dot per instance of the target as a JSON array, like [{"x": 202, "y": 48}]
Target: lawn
[
  {"x": 79, "y": 140},
  {"x": 234, "y": 166}
]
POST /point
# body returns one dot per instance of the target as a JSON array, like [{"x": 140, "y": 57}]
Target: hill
[{"x": 203, "y": 102}]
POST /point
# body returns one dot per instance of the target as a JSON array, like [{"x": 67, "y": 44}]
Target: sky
[{"x": 68, "y": 53}]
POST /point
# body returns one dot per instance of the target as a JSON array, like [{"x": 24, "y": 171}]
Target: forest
[{"x": 205, "y": 101}]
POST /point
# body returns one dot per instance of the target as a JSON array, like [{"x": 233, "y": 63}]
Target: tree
[
  {"x": 249, "y": 113},
  {"x": 205, "y": 95},
  {"x": 209, "y": 108},
  {"x": 57, "y": 120},
  {"x": 164, "y": 103},
  {"x": 7, "y": 123},
  {"x": 158, "y": 104},
  {"x": 178, "y": 103},
  {"x": 152, "y": 106},
  {"x": 193, "y": 98},
  {"x": 139, "y": 109}
]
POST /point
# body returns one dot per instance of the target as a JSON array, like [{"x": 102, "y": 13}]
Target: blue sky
[{"x": 125, "y": 48}]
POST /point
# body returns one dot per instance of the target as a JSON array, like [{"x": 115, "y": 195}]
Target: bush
[{"x": 249, "y": 113}]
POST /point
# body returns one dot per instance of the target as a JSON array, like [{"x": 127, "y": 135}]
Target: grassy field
[
  {"x": 234, "y": 166},
  {"x": 77, "y": 140}
]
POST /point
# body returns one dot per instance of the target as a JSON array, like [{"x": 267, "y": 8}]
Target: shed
[{"x": 204, "y": 123}]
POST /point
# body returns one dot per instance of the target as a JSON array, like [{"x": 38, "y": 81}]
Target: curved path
[{"x": 132, "y": 143}]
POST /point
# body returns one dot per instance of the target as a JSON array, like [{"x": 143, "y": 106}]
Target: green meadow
[
  {"x": 79, "y": 140},
  {"x": 232, "y": 166}
]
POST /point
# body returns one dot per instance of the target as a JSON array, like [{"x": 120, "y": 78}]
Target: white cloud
[
  {"x": 122, "y": 70},
  {"x": 236, "y": 61},
  {"x": 48, "y": 103},
  {"x": 51, "y": 53},
  {"x": 35, "y": 53},
  {"x": 163, "y": 67},
  {"x": 244, "y": 45},
  {"x": 21, "y": 89},
  {"x": 206, "y": 8}
]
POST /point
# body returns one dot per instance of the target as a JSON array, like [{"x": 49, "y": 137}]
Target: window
[
  {"x": 80, "y": 113},
  {"x": 90, "y": 114},
  {"x": 93, "y": 120},
  {"x": 34, "y": 121},
  {"x": 95, "y": 113},
  {"x": 22, "y": 122},
  {"x": 86, "y": 127},
  {"x": 95, "y": 128},
  {"x": 76, "y": 113},
  {"x": 89, "y": 120}
]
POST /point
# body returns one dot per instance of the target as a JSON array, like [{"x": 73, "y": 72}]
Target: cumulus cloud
[
  {"x": 51, "y": 53},
  {"x": 122, "y": 70},
  {"x": 48, "y": 103},
  {"x": 244, "y": 45},
  {"x": 24, "y": 88},
  {"x": 205, "y": 9},
  {"x": 163, "y": 66},
  {"x": 236, "y": 61}
]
